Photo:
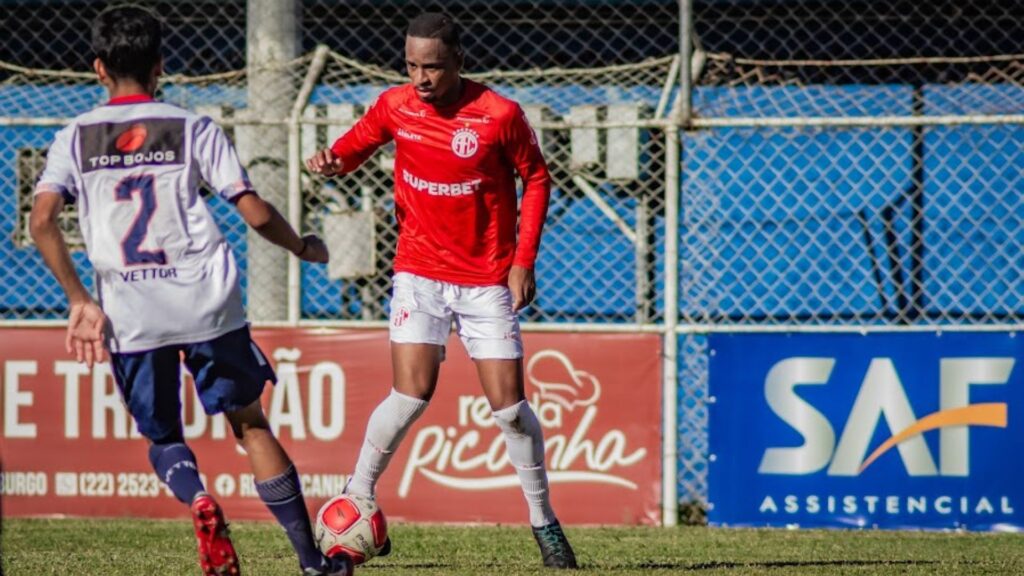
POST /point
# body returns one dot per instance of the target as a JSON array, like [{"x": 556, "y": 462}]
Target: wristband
[{"x": 305, "y": 245}]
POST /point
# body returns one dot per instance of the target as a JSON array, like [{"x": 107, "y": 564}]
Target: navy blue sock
[
  {"x": 175, "y": 465},
  {"x": 283, "y": 496}
]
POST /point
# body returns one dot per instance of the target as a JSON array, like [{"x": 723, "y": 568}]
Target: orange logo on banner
[{"x": 992, "y": 414}]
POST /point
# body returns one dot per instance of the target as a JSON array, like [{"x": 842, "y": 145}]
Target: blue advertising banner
[{"x": 909, "y": 430}]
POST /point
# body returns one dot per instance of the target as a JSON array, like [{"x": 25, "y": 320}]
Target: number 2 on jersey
[{"x": 126, "y": 188}]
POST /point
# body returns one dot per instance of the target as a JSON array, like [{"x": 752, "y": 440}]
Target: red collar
[{"x": 131, "y": 99}]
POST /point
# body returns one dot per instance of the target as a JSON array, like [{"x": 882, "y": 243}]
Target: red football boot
[{"x": 217, "y": 555}]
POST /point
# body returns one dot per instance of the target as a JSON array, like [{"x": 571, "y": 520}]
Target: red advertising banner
[{"x": 69, "y": 446}]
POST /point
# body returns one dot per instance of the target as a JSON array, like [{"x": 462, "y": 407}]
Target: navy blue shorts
[{"x": 230, "y": 372}]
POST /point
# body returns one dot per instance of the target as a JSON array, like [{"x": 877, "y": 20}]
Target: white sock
[
  {"x": 525, "y": 442},
  {"x": 384, "y": 432}
]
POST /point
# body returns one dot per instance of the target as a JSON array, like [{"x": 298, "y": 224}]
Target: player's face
[{"x": 433, "y": 69}]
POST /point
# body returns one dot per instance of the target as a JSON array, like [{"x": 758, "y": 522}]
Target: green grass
[{"x": 156, "y": 548}]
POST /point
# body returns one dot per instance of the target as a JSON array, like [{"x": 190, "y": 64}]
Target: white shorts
[{"x": 422, "y": 311}]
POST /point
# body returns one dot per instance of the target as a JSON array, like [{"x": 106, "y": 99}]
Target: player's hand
[
  {"x": 325, "y": 162},
  {"x": 523, "y": 287},
  {"x": 314, "y": 250},
  {"x": 85, "y": 333}
]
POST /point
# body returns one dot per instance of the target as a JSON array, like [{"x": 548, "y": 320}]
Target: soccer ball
[{"x": 352, "y": 525}]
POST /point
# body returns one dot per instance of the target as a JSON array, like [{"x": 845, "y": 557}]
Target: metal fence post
[{"x": 272, "y": 40}]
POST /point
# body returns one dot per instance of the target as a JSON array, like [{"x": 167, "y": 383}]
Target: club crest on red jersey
[{"x": 465, "y": 142}]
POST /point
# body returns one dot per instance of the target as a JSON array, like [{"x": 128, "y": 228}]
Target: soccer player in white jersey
[{"x": 167, "y": 281}]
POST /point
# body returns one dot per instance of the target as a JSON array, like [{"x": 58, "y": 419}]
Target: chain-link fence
[
  {"x": 857, "y": 163},
  {"x": 845, "y": 165},
  {"x": 605, "y": 66},
  {"x": 850, "y": 165}
]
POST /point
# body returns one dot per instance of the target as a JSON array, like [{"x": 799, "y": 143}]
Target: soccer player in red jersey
[{"x": 459, "y": 146}]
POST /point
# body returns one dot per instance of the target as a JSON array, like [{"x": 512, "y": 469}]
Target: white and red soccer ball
[{"x": 352, "y": 525}]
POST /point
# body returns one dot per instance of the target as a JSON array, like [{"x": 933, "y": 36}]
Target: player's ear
[{"x": 101, "y": 70}]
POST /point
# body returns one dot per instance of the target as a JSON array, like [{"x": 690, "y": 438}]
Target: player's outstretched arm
[
  {"x": 87, "y": 320},
  {"x": 268, "y": 222}
]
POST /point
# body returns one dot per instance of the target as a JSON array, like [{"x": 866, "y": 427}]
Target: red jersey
[{"x": 455, "y": 189}]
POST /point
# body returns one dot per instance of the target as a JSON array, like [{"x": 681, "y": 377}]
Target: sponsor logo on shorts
[{"x": 401, "y": 315}]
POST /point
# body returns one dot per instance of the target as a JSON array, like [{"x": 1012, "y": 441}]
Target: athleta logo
[
  {"x": 462, "y": 459},
  {"x": 882, "y": 395},
  {"x": 403, "y": 133},
  {"x": 465, "y": 143}
]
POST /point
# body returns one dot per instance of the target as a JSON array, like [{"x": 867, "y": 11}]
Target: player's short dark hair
[
  {"x": 436, "y": 25},
  {"x": 127, "y": 40}
]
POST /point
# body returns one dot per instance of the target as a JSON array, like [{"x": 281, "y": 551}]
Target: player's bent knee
[{"x": 421, "y": 390}]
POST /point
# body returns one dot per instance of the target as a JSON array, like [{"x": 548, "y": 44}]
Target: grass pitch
[{"x": 155, "y": 548}]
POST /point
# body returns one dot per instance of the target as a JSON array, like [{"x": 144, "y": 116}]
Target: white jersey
[{"x": 165, "y": 273}]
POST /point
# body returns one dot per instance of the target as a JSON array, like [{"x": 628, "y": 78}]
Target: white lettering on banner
[
  {"x": 317, "y": 409},
  {"x": 285, "y": 401},
  {"x": 882, "y": 395},
  {"x": 139, "y": 485},
  {"x": 313, "y": 485},
  {"x": 334, "y": 425},
  {"x": 13, "y": 483},
  {"x": 323, "y": 485},
  {"x": 224, "y": 485},
  {"x": 465, "y": 451},
  {"x": 286, "y": 408},
  {"x": 890, "y": 505},
  {"x": 108, "y": 484},
  {"x": 14, "y": 398},
  {"x": 247, "y": 486},
  {"x": 72, "y": 372},
  {"x": 65, "y": 484},
  {"x": 96, "y": 484}
]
